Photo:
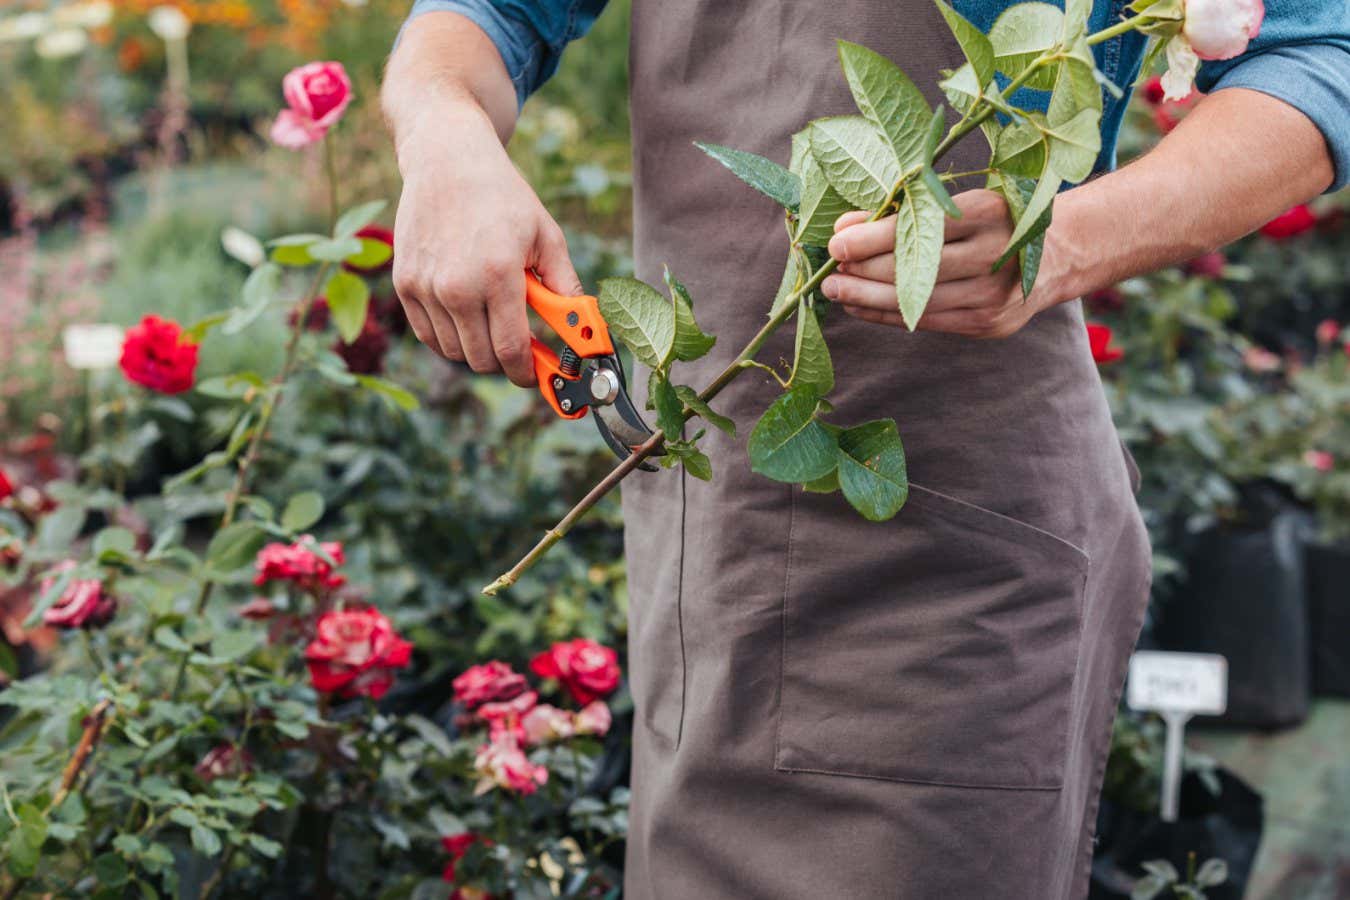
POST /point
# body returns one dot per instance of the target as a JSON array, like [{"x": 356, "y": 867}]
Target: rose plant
[
  {"x": 225, "y": 716},
  {"x": 884, "y": 161}
]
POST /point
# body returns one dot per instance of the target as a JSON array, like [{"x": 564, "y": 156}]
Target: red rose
[
  {"x": 1099, "y": 339},
  {"x": 457, "y": 845},
  {"x": 1320, "y": 460},
  {"x": 1152, "y": 90},
  {"x": 588, "y": 670},
  {"x": 317, "y": 316},
  {"x": 225, "y": 760},
  {"x": 6, "y": 486},
  {"x": 355, "y": 652},
  {"x": 299, "y": 563},
  {"x": 384, "y": 236},
  {"x": 157, "y": 355},
  {"x": 258, "y": 609},
  {"x": 1327, "y": 332},
  {"x": 486, "y": 683},
  {"x": 1106, "y": 300},
  {"x": 1207, "y": 265},
  {"x": 1291, "y": 222},
  {"x": 83, "y": 604},
  {"x": 365, "y": 355},
  {"x": 316, "y": 95}
]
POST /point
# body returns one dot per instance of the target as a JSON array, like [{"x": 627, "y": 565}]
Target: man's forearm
[
  {"x": 1236, "y": 161},
  {"x": 446, "y": 66}
]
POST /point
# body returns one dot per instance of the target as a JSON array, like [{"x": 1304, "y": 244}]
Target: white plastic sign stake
[{"x": 1177, "y": 686}]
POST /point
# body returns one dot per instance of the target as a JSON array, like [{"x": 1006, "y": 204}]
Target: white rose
[{"x": 1182, "y": 64}]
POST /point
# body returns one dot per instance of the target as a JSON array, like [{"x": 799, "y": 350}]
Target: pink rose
[
  {"x": 488, "y": 682},
  {"x": 1320, "y": 460},
  {"x": 299, "y": 564},
  {"x": 224, "y": 760},
  {"x": 1221, "y": 29},
  {"x": 588, "y": 670},
  {"x": 1260, "y": 360},
  {"x": 83, "y": 604},
  {"x": 1207, "y": 265},
  {"x": 594, "y": 718},
  {"x": 547, "y": 723},
  {"x": 316, "y": 94},
  {"x": 355, "y": 652},
  {"x": 502, "y": 763},
  {"x": 1327, "y": 332},
  {"x": 507, "y": 715}
]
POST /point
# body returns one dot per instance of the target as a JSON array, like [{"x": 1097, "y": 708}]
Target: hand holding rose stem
[{"x": 979, "y": 112}]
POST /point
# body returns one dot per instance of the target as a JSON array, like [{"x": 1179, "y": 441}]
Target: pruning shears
[{"x": 589, "y": 374}]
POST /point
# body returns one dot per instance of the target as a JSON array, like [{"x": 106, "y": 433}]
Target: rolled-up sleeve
[
  {"x": 530, "y": 36},
  {"x": 1301, "y": 56}
]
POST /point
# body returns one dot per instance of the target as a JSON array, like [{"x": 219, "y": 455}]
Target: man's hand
[
  {"x": 970, "y": 299},
  {"x": 468, "y": 226}
]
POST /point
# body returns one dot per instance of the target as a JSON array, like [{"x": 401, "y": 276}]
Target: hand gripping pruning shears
[{"x": 589, "y": 374}]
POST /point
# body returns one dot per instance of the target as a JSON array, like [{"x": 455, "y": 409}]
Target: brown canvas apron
[{"x": 828, "y": 707}]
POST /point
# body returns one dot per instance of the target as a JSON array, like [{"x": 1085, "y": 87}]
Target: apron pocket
[{"x": 939, "y": 647}]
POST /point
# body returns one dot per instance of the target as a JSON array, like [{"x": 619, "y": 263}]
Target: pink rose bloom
[
  {"x": 588, "y": 670},
  {"x": 299, "y": 564},
  {"x": 1207, "y": 265},
  {"x": 1221, "y": 29},
  {"x": 1320, "y": 460},
  {"x": 507, "y": 715},
  {"x": 594, "y": 718},
  {"x": 224, "y": 760},
  {"x": 1327, "y": 332},
  {"x": 316, "y": 94},
  {"x": 355, "y": 653},
  {"x": 547, "y": 723},
  {"x": 83, "y": 604},
  {"x": 502, "y": 763},
  {"x": 491, "y": 681},
  {"x": 1260, "y": 360}
]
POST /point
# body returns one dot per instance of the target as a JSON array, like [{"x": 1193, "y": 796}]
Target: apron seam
[
  {"x": 783, "y": 626},
  {"x": 972, "y": 786},
  {"x": 679, "y": 606}
]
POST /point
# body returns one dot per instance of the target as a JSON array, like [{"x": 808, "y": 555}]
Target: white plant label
[{"x": 1194, "y": 683}]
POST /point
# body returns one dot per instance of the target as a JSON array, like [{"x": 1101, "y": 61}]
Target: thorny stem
[
  {"x": 89, "y": 738},
  {"x": 745, "y": 359}
]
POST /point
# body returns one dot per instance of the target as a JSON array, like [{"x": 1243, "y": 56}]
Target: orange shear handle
[{"x": 578, "y": 322}]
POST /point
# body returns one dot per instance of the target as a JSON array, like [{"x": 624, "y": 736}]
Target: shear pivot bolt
[
  {"x": 557, "y": 383},
  {"x": 565, "y": 404}
]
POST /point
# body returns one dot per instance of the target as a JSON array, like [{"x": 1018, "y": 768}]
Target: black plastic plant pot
[
  {"x": 1244, "y": 597},
  {"x": 1225, "y": 826},
  {"x": 1329, "y": 612}
]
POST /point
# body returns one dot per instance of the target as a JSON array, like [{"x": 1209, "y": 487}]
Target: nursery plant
[{"x": 885, "y": 161}]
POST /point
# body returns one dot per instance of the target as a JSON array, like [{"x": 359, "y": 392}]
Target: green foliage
[{"x": 764, "y": 175}]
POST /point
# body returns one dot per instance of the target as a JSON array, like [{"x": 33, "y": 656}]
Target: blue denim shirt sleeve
[
  {"x": 1301, "y": 56},
  {"x": 529, "y": 34}
]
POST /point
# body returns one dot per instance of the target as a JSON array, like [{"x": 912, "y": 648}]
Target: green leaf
[
  {"x": 872, "y": 469},
  {"x": 1035, "y": 218},
  {"x": 260, "y": 289},
  {"x": 889, "y": 100},
  {"x": 690, "y": 341},
  {"x": 358, "y": 217},
  {"x": 1074, "y": 146},
  {"x": 234, "y": 547},
  {"x": 788, "y": 444},
  {"x": 919, "y": 227},
  {"x": 264, "y": 846},
  {"x": 231, "y": 387},
  {"x": 640, "y": 317},
  {"x": 963, "y": 91},
  {"x": 233, "y": 645},
  {"x": 394, "y": 395},
  {"x": 302, "y": 511},
  {"x": 205, "y": 840},
  {"x": 690, "y": 398},
  {"x": 939, "y": 192},
  {"x": 197, "y": 332},
  {"x": 974, "y": 43},
  {"x": 825, "y": 484},
  {"x": 373, "y": 253},
  {"x": 334, "y": 250},
  {"x": 1022, "y": 33},
  {"x": 348, "y": 300},
  {"x": 293, "y": 249},
  {"x": 1020, "y": 148},
  {"x": 764, "y": 175},
  {"x": 669, "y": 408},
  {"x": 812, "y": 367},
  {"x": 113, "y": 543},
  {"x": 111, "y": 870},
  {"x": 821, "y": 206},
  {"x": 695, "y": 461},
  {"x": 169, "y": 639},
  {"x": 857, "y": 161}
]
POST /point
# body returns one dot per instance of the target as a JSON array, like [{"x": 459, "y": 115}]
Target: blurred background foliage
[{"x": 116, "y": 182}]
